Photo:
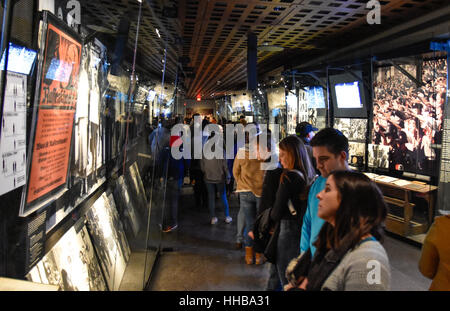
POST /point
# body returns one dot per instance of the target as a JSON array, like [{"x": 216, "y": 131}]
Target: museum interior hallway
[{"x": 199, "y": 256}]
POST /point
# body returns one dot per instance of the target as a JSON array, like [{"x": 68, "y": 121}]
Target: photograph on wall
[
  {"x": 292, "y": 113},
  {"x": 53, "y": 116},
  {"x": 109, "y": 240},
  {"x": 302, "y": 106},
  {"x": 356, "y": 150},
  {"x": 13, "y": 133},
  {"x": 71, "y": 264},
  {"x": 378, "y": 156},
  {"x": 137, "y": 187},
  {"x": 317, "y": 118},
  {"x": 80, "y": 152},
  {"x": 353, "y": 129},
  {"x": 126, "y": 206},
  {"x": 409, "y": 117},
  {"x": 97, "y": 60}
]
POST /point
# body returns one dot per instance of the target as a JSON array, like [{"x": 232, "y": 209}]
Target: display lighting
[{"x": 199, "y": 97}]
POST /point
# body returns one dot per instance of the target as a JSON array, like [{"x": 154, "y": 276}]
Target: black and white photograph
[
  {"x": 109, "y": 240},
  {"x": 316, "y": 119},
  {"x": 80, "y": 155},
  {"x": 302, "y": 106},
  {"x": 292, "y": 112},
  {"x": 97, "y": 57},
  {"x": 71, "y": 264},
  {"x": 378, "y": 156},
  {"x": 353, "y": 129},
  {"x": 409, "y": 118},
  {"x": 126, "y": 206},
  {"x": 135, "y": 183},
  {"x": 356, "y": 149}
]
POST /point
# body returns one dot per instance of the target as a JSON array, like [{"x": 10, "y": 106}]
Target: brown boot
[
  {"x": 259, "y": 259},
  {"x": 249, "y": 255}
]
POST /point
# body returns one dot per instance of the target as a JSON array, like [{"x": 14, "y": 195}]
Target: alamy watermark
[
  {"x": 374, "y": 275},
  {"x": 209, "y": 142},
  {"x": 374, "y": 16}
]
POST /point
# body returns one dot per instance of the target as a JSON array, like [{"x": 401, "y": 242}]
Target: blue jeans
[
  {"x": 211, "y": 188},
  {"x": 288, "y": 247},
  {"x": 240, "y": 224},
  {"x": 249, "y": 205}
]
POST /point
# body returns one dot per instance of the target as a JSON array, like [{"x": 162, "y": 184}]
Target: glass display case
[{"x": 85, "y": 189}]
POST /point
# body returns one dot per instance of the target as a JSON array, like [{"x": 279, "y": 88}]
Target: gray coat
[{"x": 215, "y": 170}]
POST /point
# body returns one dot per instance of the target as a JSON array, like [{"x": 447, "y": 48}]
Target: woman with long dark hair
[
  {"x": 290, "y": 205},
  {"x": 349, "y": 253}
]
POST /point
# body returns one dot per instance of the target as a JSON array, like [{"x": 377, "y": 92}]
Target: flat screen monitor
[
  {"x": 315, "y": 97},
  {"x": 348, "y": 95},
  {"x": 20, "y": 59}
]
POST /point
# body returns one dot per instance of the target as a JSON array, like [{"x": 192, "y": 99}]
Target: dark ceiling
[{"x": 206, "y": 40}]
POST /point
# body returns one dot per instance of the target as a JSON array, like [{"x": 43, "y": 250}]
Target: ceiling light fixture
[
  {"x": 270, "y": 48},
  {"x": 157, "y": 32}
]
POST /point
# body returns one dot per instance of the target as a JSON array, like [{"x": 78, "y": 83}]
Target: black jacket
[
  {"x": 290, "y": 189},
  {"x": 270, "y": 187}
]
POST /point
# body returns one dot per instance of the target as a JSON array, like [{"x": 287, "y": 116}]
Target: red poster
[{"x": 57, "y": 104}]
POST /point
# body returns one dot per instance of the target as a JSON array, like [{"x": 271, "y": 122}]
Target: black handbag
[
  {"x": 261, "y": 231},
  {"x": 270, "y": 252},
  {"x": 265, "y": 233}
]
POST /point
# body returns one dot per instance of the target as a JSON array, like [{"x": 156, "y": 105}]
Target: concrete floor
[{"x": 201, "y": 257}]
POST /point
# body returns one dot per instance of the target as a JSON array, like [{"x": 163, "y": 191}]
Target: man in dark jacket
[{"x": 305, "y": 132}]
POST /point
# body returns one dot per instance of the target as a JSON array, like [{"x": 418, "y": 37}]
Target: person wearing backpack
[{"x": 289, "y": 206}]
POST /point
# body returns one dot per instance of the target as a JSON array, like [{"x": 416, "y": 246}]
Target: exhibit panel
[
  {"x": 70, "y": 127},
  {"x": 407, "y": 138},
  {"x": 292, "y": 112},
  {"x": 316, "y": 106},
  {"x": 53, "y": 115},
  {"x": 409, "y": 115},
  {"x": 13, "y": 134},
  {"x": 276, "y": 100},
  {"x": 109, "y": 239},
  {"x": 356, "y": 131},
  {"x": 71, "y": 264}
]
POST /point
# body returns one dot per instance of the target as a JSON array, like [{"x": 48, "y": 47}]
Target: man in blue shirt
[{"x": 330, "y": 151}]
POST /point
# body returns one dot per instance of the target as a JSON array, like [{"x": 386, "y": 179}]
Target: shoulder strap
[
  {"x": 299, "y": 173},
  {"x": 320, "y": 271}
]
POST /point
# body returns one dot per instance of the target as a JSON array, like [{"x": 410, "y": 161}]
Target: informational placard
[
  {"x": 53, "y": 117},
  {"x": 35, "y": 241},
  {"x": 444, "y": 174},
  {"x": 13, "y": 133}
]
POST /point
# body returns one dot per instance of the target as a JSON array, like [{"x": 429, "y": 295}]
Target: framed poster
[
  {"x": 13, "y": 134},
  {"x": 71, "y": 264},
  {"x": 53, "y": 115},
  {"x": 109, "y": 239}
]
